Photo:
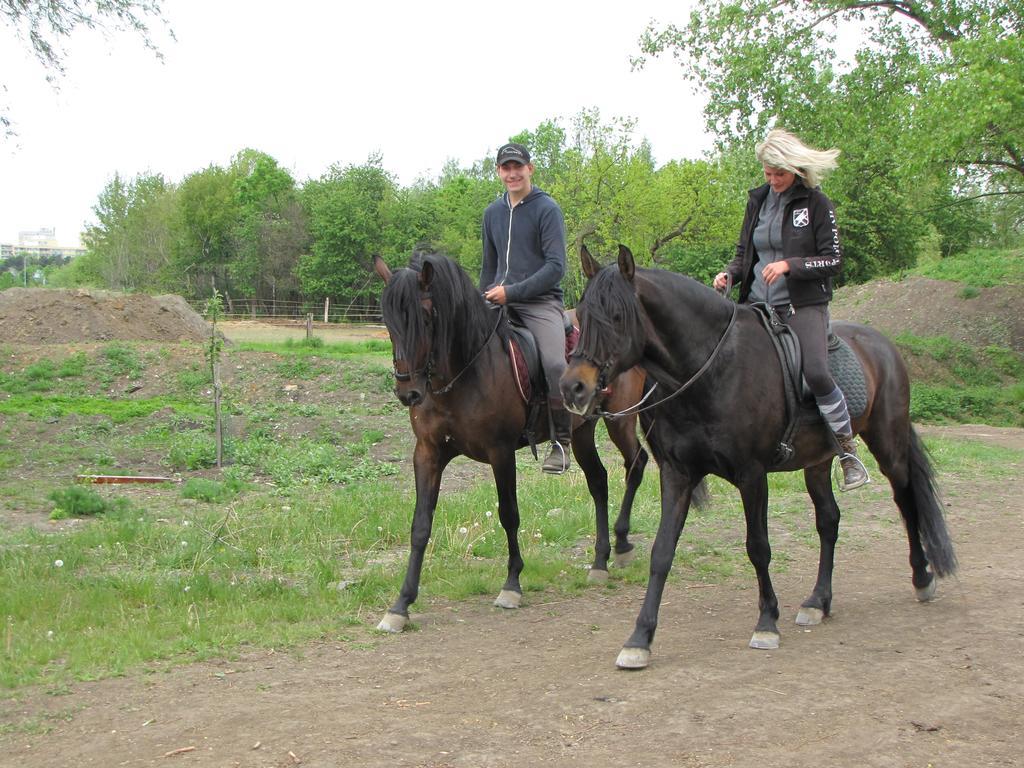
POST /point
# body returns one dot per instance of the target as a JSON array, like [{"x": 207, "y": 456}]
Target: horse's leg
[
  {"x": 676, "y": 489},
  {"x": 826, "y": 519},
  {"x": 585, "y": 451},
  {"x": 754, "y": 492},
  {"x": 504, "y": 469},
  {"x": 623, "y": 433},
  {"x": 428, "y": 464}
]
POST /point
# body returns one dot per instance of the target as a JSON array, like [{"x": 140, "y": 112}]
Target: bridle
[
  {"x": 639, "y": 407},
  {"x": 428, "y": 370}
]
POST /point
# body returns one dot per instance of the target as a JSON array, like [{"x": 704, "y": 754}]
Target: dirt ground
[{"x": 886, "y": 681}]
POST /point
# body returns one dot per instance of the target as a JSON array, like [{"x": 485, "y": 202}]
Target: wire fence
[{"x": 327, "y": 311}]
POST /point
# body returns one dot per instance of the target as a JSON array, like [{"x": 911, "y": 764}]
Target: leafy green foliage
[{"x": 887, "y": 105}]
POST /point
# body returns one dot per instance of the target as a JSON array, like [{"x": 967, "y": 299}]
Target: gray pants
[
  {"x": 544, "y": 318},
  {"x": 810, "y": 324}
]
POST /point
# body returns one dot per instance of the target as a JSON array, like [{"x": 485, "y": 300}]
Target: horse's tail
[{"x": 931, "y": 521}]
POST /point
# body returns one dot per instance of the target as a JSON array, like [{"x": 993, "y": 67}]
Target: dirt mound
[
  {"x": 57, "y": 316},
  {"x": 925, "y": 307}
]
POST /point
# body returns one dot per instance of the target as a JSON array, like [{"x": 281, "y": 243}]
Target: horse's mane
[
  {"x": 607, "y": 296},
  {"x": 460, "y": 318}
]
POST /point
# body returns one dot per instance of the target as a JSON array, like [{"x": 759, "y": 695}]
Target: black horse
[
  {"x": 723, "y": 411},
  {"x": 452, "y": 370}
]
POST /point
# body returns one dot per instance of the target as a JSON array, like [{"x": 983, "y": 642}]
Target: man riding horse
[{"x": 523, "y": 265}]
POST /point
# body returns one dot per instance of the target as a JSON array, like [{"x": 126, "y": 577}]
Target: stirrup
[
  {"x": 561, "y": 455},
  {"x": 840, "y": 475}
]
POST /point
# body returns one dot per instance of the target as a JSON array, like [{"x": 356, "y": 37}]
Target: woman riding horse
[{"x": 722, "y": 411}]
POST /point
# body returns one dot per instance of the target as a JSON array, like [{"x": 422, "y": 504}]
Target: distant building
[{"x": 39, "y": 246}]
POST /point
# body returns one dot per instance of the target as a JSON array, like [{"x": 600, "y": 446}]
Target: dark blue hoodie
[{"x": 524, "y": 247}]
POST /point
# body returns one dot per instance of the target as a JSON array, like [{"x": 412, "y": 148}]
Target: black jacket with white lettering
[{"x": 810, "y": 244}]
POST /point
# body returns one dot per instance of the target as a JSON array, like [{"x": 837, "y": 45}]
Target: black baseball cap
[{"x": 513, "y": 153}]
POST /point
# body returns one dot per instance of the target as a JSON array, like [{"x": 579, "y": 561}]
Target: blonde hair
[{"x": 781, "y": 149}]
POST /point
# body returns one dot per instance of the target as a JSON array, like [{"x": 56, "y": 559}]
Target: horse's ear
[
  {"x": 588, "y": 262},
  {"x": 426, "y": 275},
  {"x": 381, "y": 269},
  {"x": 626, "y": 264}
]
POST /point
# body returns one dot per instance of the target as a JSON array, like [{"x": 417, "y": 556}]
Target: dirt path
[{"x": 885, "y": 682}]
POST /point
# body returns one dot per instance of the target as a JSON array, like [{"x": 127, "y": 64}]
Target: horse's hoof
[
  {"x": 765, "y": 641},
  {"x": 508, "y": 599},
  {"x": 633, "y": 658},
  {"x": 809, "y": 617},
  {"x": 624, "y": 559},
  {"x": 927, "y": 594},
  {"x": 392, "y": 623},
  {"x": 597, "y": 576}
]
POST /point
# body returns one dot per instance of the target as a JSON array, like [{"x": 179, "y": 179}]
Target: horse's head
[
  {"x": 611, "y": 331},
  {"x": 437, "y": 321},
  {"x": 408, "y": 311}
]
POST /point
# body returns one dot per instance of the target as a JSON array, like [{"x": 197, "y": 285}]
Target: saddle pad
[
  {"x": 572, "y": 338},
  {"x": 520, "y": 370},
  {"x": 849, "y": 376}
]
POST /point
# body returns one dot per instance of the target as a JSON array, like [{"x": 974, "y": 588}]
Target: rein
[
  {"x": 640, "y": 408},
  {"x": 448, "y": 387}
]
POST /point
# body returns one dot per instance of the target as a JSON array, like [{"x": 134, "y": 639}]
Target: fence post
[
  {"x": 309, "y": 325},
  {"x": 327, "y": 307}
]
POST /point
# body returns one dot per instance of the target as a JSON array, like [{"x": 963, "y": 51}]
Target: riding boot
[
  {"x": 837, "y": 416},
  {"x": 855, "y": 474},
  {"x": 557, "y": 460}
]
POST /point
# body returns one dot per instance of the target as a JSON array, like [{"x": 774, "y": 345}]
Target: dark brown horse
[
  {"x": 722, "y": 411},
  {"x": 452, "y": 370}
]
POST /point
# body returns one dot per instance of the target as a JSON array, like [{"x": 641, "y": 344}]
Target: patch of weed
[
  {"x": 76, "y": 501},
  {"x": 123, "y": 360},
  {"x": 211, "y": 491}
]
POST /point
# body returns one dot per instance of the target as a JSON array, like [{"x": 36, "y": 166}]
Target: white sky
[{"x": 315, "y": 83}]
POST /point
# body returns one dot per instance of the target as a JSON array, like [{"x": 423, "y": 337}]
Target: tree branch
[{"x": 669, "y": 236}]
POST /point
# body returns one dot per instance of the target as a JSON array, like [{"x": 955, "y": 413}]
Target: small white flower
[
  {"x": 184, "y": 543},
  {"x": 380, "y": 529},
  {"x": 49, "y": 635},
  {"x": 463, "y": 530},
  {"x": 537, "y": 535},
  {"x": 489, "y": 513},
  {"x": 286, "y": 509},
  {"x": 187, "y": 588},
  {"x": 58, "y": 563},
  {"x": 186, "y": 523}
]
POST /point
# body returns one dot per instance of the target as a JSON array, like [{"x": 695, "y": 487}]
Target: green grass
[
  {"x": 302, "y": 349},
  {"x": 244, "y": 567},
  {"x": 978, "y": 267},
  {"x": 42, "y": 406},
  {"x": 305, "y": 532},
  {"x": 968, "y": 384}
]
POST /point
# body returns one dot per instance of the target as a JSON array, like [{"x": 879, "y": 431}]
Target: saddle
[
  {"x": 525, "y": 357},
  {"x": 801, "y": 408},
  {"x": 527, "y": 371}
]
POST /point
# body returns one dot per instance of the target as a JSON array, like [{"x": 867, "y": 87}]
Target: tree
[
  {"x": 888, "y": 106},
  {"x": 270, "y": 234},
  {"x": 130, "y": 246},
  {"x": 349, "y": 210},
  {"x": 44, "y": 25},
  {"x": 209, "y": 212}
]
